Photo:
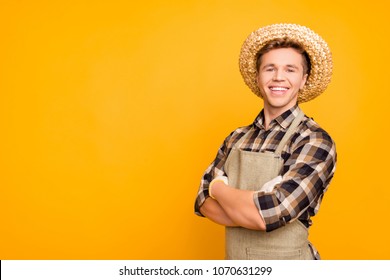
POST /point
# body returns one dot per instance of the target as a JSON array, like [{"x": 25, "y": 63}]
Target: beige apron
[{"x": 249, "y": 171}]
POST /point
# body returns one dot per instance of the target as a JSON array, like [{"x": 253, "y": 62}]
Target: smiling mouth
[{"x": 278, "y": 89}]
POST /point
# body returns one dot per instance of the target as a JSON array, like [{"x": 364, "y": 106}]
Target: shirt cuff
[
  {"x": 267, "y": 206},
  {"x": 200, "y": 199}
]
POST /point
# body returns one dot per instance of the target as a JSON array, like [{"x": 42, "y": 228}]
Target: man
[{"x": 268, "y": 178}]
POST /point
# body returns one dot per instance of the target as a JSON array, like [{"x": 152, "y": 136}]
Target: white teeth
[{"x": 278, "y": 88}]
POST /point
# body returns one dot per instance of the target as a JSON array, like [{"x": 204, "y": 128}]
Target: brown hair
[{"x": 285, "y": 43}]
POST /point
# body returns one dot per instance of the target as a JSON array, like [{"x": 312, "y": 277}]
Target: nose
[{"x": 278, "y": 75}]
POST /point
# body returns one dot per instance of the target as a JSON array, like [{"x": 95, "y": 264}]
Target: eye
[{"x": 290, "y": 70}]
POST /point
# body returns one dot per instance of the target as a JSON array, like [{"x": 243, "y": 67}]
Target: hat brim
[{"x": 316, "y": 48}]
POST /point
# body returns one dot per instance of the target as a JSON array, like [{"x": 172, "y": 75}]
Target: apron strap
[{"x": 289, "y": 132}]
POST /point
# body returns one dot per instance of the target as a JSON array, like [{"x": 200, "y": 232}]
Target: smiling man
[
  {"x": 268, "y": 179},
  {"x": 282, "y": 73}
]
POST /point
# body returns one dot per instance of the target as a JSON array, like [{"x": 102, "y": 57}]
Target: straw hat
[{"x": 317, "y": 49}]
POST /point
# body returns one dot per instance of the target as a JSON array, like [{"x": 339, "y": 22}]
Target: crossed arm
[
  {"x": 232, "y": 207},
  {"x": 308, "y": 172}
]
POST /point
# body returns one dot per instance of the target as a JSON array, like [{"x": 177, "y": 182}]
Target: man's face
[{"x": 280, "y": 77}]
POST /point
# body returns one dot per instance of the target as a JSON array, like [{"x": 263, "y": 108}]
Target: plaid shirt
[{"x": 309, "y": 164}]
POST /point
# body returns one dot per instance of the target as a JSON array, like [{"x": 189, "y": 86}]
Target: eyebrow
[
  {"x": 288, "y": 65},
  {"x": 292, "y": 66}
]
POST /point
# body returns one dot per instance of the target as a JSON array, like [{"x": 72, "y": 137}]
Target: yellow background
[{"x": 110, "y": 111}]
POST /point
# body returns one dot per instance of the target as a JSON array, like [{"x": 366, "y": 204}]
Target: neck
[{"x": 268, "y": 117}]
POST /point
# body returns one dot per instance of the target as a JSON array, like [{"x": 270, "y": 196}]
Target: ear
[
  {"x": 304, "y": 80},
  {"x": 257, "y": 77}
]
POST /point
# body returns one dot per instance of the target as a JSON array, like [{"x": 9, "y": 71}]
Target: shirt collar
[{"x": 284, "y": 120}]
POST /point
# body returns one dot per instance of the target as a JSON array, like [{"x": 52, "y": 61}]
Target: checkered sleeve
[
  {"x": 307, "y": 172},
  {"x": 216, "y": 168}
]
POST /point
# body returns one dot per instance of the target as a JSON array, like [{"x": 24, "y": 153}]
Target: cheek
[{"x": 262, "y": 79}]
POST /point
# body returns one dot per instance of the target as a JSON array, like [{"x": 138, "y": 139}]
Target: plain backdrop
[{"x": 110, "y": 111}]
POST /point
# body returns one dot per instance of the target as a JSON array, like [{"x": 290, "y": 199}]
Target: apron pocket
[{"x": 260, "y": 254}]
